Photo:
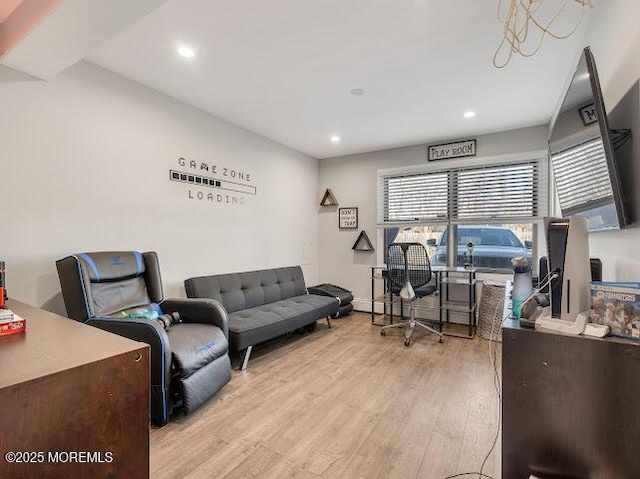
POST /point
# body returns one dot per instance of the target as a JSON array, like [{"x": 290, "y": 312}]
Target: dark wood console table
[
  {"x": 570, "y": 405},
  {"x": 67, "y": 387}
]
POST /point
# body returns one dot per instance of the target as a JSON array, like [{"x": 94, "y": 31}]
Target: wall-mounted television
[{"x": 582, "y": 149}]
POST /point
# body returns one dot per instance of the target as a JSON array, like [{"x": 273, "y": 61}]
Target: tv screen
[{"x": 582, "y": 153}]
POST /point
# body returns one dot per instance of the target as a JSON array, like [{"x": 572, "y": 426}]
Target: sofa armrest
[
  {"x": 207, "y": 311},
  {"x": 150, "y": 332}
]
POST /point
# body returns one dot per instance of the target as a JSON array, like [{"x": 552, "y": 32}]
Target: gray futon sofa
[{"x": 264, "y": 304}]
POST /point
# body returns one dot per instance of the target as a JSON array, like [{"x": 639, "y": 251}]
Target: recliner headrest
[{"x": 112, "y": 266}]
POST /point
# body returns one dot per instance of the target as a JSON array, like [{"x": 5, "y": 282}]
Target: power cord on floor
[
  {"x": 497, "y": 382},
  {"x": 467, "y": 474}
]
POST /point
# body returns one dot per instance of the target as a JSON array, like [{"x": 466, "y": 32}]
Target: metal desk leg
[
  {"x": 447, "y": 298},
  {"x": 438, "y": 285},
  {"x": 470, "y": 304},
  {"x": 373, "y": 295},
  {"x": 384, "y": 303},
  {"x": 475, "y": 301}
]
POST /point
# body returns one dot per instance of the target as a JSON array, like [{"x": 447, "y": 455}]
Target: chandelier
[{"x": 525, "y": 18}]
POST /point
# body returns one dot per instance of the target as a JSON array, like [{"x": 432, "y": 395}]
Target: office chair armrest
[
  {"x": 152, "y": 333},
  {"x": 199, "y": 310}
]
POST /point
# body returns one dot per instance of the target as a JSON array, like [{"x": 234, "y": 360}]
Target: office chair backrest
[{"x": 408, "y": 262}]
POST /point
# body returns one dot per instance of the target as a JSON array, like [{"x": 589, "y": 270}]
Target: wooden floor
[{"x": 342, "y": 403}]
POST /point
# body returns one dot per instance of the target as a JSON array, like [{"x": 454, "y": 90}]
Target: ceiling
[
  {"x": 285, "y": 69},
  {"x": 42, "y": 38},
  {"x": 7, "y": 7}
]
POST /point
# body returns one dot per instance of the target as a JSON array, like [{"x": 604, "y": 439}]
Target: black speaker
[
  {"x": 543, "y": 268},
  {"x": 596, "y": 269}
]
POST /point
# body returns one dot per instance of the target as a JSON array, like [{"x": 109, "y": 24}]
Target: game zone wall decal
[
  {"x": 213, "y": 183},
  {"x": 348, "y": 218}
]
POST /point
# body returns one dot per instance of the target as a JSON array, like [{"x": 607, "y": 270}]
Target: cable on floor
[{"x": 497, "y": 383}]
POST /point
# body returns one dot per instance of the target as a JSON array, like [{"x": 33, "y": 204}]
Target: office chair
[{"x": 409, "y": 272}]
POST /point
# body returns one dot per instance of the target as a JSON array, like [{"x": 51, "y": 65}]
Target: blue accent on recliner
[
  {"x": 156, "y": 307},
  {"x": 164, "y": 391},
  {"x": 139, "y": 262},
  {"x": 90, "y": 262}
]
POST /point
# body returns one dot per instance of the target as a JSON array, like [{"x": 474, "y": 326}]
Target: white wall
[
  {"x": 84, "y": 166},
  {"x": 615, "y": 40},
  {"x": 353, "y": 179}
]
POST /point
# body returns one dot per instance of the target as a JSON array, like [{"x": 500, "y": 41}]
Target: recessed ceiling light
[
  {"x": 335, "y": 139},
  {"x": 469, "y": 114},
  {"x": 186, "y": 52},
  {"x": 357, "y": 92}
]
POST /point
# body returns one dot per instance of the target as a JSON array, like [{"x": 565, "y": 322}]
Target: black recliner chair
[{"x": 118, "y": 292}]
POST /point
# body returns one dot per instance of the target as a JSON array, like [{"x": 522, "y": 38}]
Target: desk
[
  {"x": 66, "y": 386},
  {"x": 445, "y": 304},
  {"x": 570, "y": 405}
]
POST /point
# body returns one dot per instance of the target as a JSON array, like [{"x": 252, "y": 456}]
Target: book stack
[{"x": 11, "y": 323}]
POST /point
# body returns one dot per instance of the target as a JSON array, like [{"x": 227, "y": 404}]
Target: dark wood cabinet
[
  {"x": 73, "y": 393},
  {"x": 571, "y": 406}
]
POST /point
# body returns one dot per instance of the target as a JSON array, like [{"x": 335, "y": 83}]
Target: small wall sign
[
  {"x": 446, "y": 151},
  {"x": 348, "y": 218},
  {"x": 588, "y": 114}
]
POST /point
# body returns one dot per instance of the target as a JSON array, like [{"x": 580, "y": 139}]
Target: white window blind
[
  {"x": 582, "y": 176},
  {"x": 416, "y": 198},
  {"x": 505, "y": 192},
  {"x": 496, "y": 192}
]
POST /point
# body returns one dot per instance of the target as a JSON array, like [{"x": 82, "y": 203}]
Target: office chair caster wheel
[
  {"x": 441, "y": 340},
  {"x": 383, "y": 332},
  {"x": 407, "y": 342}
]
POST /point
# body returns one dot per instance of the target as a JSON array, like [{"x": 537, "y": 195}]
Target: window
[
  {"x": 495, "y": 207},
  {"x": 493, "y": 245},
  {"x": 498, "y": 192},
  {"x": 416, "y": 197}
]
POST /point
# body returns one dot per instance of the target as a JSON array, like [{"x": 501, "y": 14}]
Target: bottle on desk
[{"x": 522, "y": 284}]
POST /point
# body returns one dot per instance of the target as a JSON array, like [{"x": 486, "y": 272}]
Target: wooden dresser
[
  {"x": 76, "y": 394},
  {"x": 570, "y": 405}
]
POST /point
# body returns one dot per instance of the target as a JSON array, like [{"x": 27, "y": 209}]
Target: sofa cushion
[
  {"x": 254, "y": 325},
  {"x": 241, "y": 291},
  {"x": 194, "y": 345}
]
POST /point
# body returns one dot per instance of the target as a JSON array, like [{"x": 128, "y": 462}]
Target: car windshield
[{"x": 485, "y": 237}]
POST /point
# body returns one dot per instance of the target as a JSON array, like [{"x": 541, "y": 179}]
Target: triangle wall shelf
[
  {"x": 329, "y": 199},
  {"x": 363, "y": 243}
]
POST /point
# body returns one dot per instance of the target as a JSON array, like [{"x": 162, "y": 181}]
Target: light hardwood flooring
[{"x": 342, "y": 403}]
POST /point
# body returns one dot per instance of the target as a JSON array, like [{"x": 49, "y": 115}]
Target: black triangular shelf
[
  {"x": 363, "y": 238},
  {"x": 329, "y": 199}
]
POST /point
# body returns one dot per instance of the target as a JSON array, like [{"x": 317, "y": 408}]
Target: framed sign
[
  {"x": 588, "y": 114},
  {"x": 447, "y": 151},
  {"x": 348, "y": 218}
]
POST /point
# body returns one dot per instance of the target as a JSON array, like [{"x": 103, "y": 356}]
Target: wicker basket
[{"x": 490, "y": 311}]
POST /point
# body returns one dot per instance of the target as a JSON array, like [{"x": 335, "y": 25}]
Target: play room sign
[{"x": 457, "y": 149}]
